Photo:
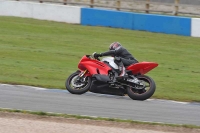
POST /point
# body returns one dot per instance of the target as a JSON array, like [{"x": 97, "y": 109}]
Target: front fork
[
  {"x": 82, "y": 77},
  {"x": 83, "y": 73}
]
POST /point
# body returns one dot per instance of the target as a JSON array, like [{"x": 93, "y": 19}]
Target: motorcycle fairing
[
  {"x": 102, "y": 78},
  {"x": 111, "y": 62},
  {"x": 98, "y": 87},
  {"x": 142, "y": 67},
  {"x": 93, "y": 66}
]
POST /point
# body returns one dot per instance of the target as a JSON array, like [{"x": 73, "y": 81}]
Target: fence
[
  {"x": 186, "y": 26},
  {"x": 172, "y": 7}
]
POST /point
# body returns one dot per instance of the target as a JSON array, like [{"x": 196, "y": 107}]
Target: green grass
[{"x": 44, "y": 53}]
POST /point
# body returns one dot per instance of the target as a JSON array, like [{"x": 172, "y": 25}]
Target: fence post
[
  {"x": 147, "y": 6},
  {"x": 65, "y": 2},
  {"x": 118, "y": 4},
  {"x": 176, "y": 6},
  {"x": 91, "y": 3}
]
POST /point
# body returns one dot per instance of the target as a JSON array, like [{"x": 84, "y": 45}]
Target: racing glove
[{"x": 96, "y": 55}]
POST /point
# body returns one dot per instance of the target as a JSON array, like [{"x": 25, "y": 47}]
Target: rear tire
[
  {"x": 77, "y": 88},
  {"x": 142, "y": 94}
]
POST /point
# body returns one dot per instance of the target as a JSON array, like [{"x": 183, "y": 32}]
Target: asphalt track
[{"x": 98, "y": 105}]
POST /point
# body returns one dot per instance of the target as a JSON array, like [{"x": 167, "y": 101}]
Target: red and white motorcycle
[{"x": 96, "y": 76}]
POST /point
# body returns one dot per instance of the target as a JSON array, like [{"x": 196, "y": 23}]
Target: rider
[{"x": 121, "y": 57}]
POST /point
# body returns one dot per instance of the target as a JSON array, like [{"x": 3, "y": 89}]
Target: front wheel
[
  {"x": 76, "y": 84},
  {"x": 143, "y": 92}
]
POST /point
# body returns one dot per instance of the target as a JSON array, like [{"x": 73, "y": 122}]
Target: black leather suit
[{"x": 121, "y": 56}]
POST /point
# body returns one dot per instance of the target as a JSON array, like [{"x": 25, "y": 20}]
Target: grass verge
[
  {"x": 45, "y": 53},
  {"x": 40, "y": 113}
]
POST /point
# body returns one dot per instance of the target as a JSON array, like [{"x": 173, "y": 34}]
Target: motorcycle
[{"x": 98, "y": 76}]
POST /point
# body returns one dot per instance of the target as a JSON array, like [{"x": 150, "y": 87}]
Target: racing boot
[{"x": 122, "y": 72}]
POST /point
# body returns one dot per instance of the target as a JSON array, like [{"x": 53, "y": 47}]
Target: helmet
[{"x": 114, "y": 45}]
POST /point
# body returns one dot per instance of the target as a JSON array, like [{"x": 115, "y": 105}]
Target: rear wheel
[
  {"x": 144, "y": 91},
  {"x": 76, "y": 84}
]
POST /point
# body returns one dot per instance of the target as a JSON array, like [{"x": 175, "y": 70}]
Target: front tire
[
  {"x": 143, "y": 93},
  {"x": 77, "y": 87}
]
